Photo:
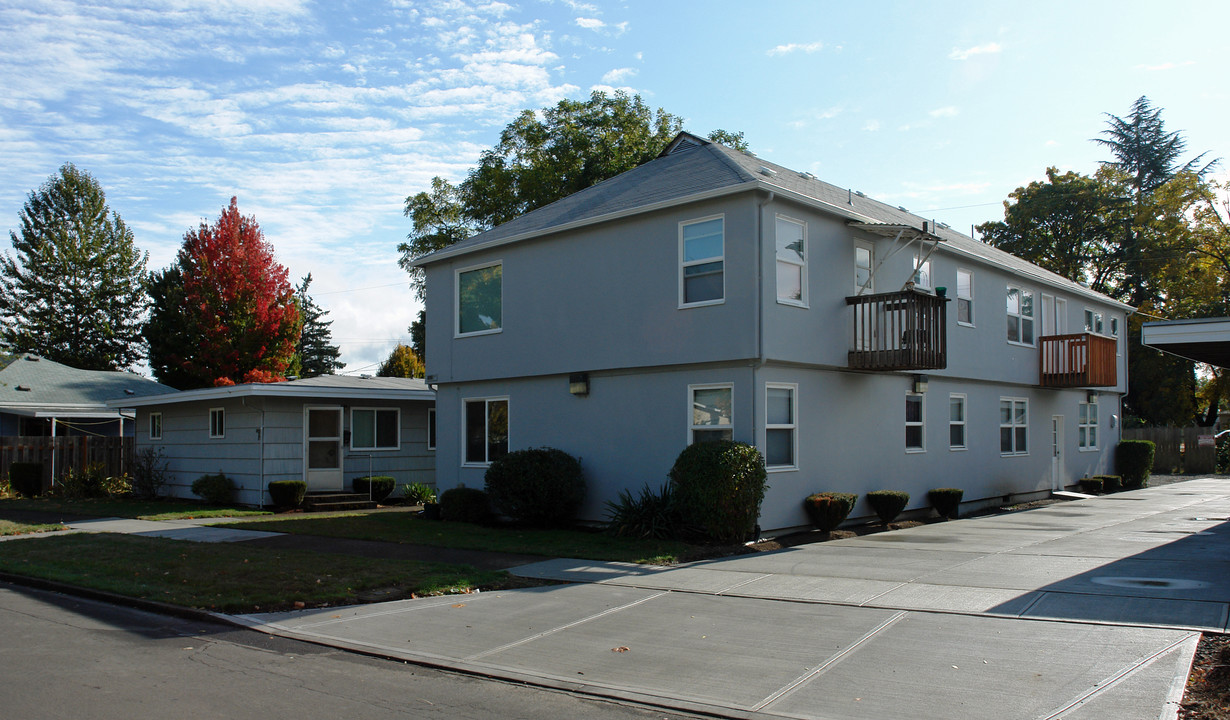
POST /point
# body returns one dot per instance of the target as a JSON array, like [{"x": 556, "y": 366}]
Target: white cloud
[
  {"x": 948, "y": 111},
  {"x": 872, "y": 126},
  {"x": 808, "y": 48},
  {"x": 590, "y": 23},
  {"x": 987, "y": 49},
  {"x": 618, "y": 75}
]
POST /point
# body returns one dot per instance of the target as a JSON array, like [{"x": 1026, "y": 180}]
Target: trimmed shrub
[
  {"x": 26, "y": 478},
  {"x": 463, "y": 504},
  {"x": 379, "y": 486},
  {"x": 149, "y": 473},
  {"x": 214, "y": 489},
  {"x": 827, "y": 510},
  {"x": 418, "y": 494},
  {"x": 1134, "y": 461},
  {"x": 946, "y": 501},
  {"x": 1111, "y": 483},
  {"x": 718, "y": 488},
  {"x": 653, "y": 515},
  {"x": 888, "y": 504},
  {"x": 541, "y": 487},
  {"x": 1091, "y": 485},
  {"x": 287, "y": 493}
]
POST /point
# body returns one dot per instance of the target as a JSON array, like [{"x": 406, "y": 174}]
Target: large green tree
[
  {"x": 540, "y": 157},
  {"x": 315, "y": 351},
  {"x": 402, "y": 362},
  {"x": 73, "y": 292}
]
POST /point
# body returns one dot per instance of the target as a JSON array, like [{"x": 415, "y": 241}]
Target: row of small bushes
[
  {"x": 290, "y": 493},
  {"x": 828, "y": 510}
]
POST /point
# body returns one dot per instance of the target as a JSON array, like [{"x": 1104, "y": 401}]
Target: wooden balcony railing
[
  {"x": 903, "y": 330},
  {"x": 1081, "y": 360}
]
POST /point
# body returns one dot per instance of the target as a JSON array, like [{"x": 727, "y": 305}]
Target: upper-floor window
[
  {"x": 486, "y": 430},
  {"x": 791, "y": 261},
  {"x": 1013, "y": 426},
  {"x": 1093, "y": 321},
  {"x": 780, "y": 426},
  {"x": 965, "y": 297},
  {"x": 1020, "y": 315},
  {"x": 1114, "y": 332},
  {"x": 155, "y": 426},
  {"x": 922, "y": 272},
  {"x": 217, "y": 422},
  {"x": 864, "y": 264},
  {"x": 915, "y": 435},
  {"x": 375, "y": 428},
  {"x": 480, "y": 299},
  {"x": 1087, "y": 427},
  {"x": 711, "y": 412},
  {"x": 702, "y": 277},
  {"x": 956, "y": 421}
]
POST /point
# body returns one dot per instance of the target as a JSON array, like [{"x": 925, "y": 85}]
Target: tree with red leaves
[{"x": 226, "y": 312}]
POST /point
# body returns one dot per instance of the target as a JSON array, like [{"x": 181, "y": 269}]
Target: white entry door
[
  {"x": 1058, "y": 481},
  {"x": 322, "y": 448}
]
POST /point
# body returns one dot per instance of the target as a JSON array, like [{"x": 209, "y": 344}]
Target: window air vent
[{"x": 767, "y": 171}]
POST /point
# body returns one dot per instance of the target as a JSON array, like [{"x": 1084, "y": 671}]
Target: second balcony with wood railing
[
  {"x": 1078, "y": 360},
  {"x": 904, "y": 330}
]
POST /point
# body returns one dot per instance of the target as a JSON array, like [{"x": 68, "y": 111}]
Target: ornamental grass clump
[
  {"x": 888, "y": 504},
  {"x": 946, "y": 501},
  {"x": 651, "y": 515},
  {"x": 418, "y": 493},
  {"x": 828, "y": 510},
  {"x": 718, "y": 487}
]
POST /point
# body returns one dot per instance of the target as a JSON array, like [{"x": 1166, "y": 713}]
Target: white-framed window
[
  {"x": 155, "y": 426},
  {"x": 965, "y": 297},
  {"x": 915, "y": 426},
  {"x": 217, "y": 422},
  {"x": 864, "y": 266},
  {"x": 375, "y": 429},
  {"x": 702, "y": 247},
  {"x": 791, "y": 242},
  {"x": 1087, "y": 425},
  {"x": 1013, "y": 426},
  {"x": 781, "y": 426},
  {"x": 480, "y": 299},
  {"x": 710, "y": 412},
  {"x": 922, "y": 272},
  {"x": 486, "y": 430},
  {"x": 431, "y": 428},
  {"x": 956, "y": 421},
  {"x": 1093, "y": 321},
  {"x": 1020, "y": 316},
  {"x": 1114, "y": 332}
]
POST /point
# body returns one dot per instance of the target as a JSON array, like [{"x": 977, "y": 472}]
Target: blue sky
[{"x": 323, "y": 116}]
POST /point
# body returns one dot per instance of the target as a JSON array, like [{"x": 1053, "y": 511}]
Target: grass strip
[
  {"x": 127, "y": 508},
  {"x": 10, "y": 527},
  {"x": 411, "y": 529},
  {"x": 231, "y": 578}
]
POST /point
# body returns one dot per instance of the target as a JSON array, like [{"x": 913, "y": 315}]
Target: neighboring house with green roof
[{"x": 40, "y": 397}]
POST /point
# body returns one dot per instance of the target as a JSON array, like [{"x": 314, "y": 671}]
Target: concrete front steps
[{"x": 334, "y": 501}]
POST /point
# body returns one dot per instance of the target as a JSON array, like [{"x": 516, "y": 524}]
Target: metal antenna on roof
[{"x": 850, "y": 200}]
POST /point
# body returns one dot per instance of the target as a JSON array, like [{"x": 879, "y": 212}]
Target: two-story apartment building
[{"x": 710, "y": 294}]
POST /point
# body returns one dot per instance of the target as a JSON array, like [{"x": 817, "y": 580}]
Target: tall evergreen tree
[
  {"x": 418, "y": 335},
  {"x": 316, "y": 352},
  {"x": 74, "y": 291}
]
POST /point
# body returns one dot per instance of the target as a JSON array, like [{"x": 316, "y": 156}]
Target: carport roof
[{"x": 1205, "y": 340}]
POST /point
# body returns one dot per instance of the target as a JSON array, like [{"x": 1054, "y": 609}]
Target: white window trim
[
  {"x": 870, "y": 247},
  {"x": 692, "y": 401},
  {"x": 221, "y": 414},
  {"x": 793, "y": 427},
  {"x": 1096, "y": 426},
  {"x": 486, "y": 429},
  {"x": 921, "y": 424},
  {"x": 801, "y": 265},
  {"x": 457, "y": 300},
  {"x": 374, "y": 409},
  {"x": 972, "y": 316},
  {"x": 431, "y": 423},
  {"x": 1098, "y": 318},
  {"x": 1114, "y": 332},
  {"x": 964, "y": 423},
  {"x": 919, "y": 261},
  {"x": 683, "y": 265},
  {"x": 1012, "y": 424},
  {"x": 152, "y": 436},
  {"x": 1033, "y": 319}
]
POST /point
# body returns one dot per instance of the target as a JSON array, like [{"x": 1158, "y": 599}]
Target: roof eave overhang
[
  {"x": 273, "y": 391},
  {"x": 1205, "y": 340}
]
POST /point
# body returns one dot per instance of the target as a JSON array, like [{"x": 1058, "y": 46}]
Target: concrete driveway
[{"x": 1086, "y": 609}]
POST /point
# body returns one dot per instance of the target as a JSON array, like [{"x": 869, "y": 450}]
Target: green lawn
[
  {"x": 10, "y": 527},
  {"x": 141, "y": 509},
  {"x": 408, "y": 528},
  {"x": 230, "y": 578}
]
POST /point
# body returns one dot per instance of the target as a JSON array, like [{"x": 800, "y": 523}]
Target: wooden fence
[
  {"x": 64, "y": 453},
  {"x": 1178, "y": 449}
]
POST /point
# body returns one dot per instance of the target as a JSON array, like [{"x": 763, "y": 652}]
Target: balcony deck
[
  {"x": 903, "y": 330},
  {"x": 1079, "y": 360}
]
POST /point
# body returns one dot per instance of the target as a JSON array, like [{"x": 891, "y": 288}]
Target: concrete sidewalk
[
  {"x": 196, "y": 530},
  {"x": 1088, "y": 609}
]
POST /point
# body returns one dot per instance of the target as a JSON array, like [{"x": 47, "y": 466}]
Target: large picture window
[
  {"x": 791, "y": 262},
  {"x": 1087, "y": 426},
  {"x": 780, "y": 426},
  {"x": 375, "y": 428},
  {"x": 1013, "y": 426},
  {"x": 711, "y": 413},
  {"x": 702, "y": 262},
  {"x": 915, "y": 428},
  {"x": 486, "y": 430},
  {"x": 480, "y": 299},
  {"x": 1020, "y": 316}
]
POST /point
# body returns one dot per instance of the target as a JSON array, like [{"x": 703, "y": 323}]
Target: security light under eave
[{"x": 578, "y": 383}]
